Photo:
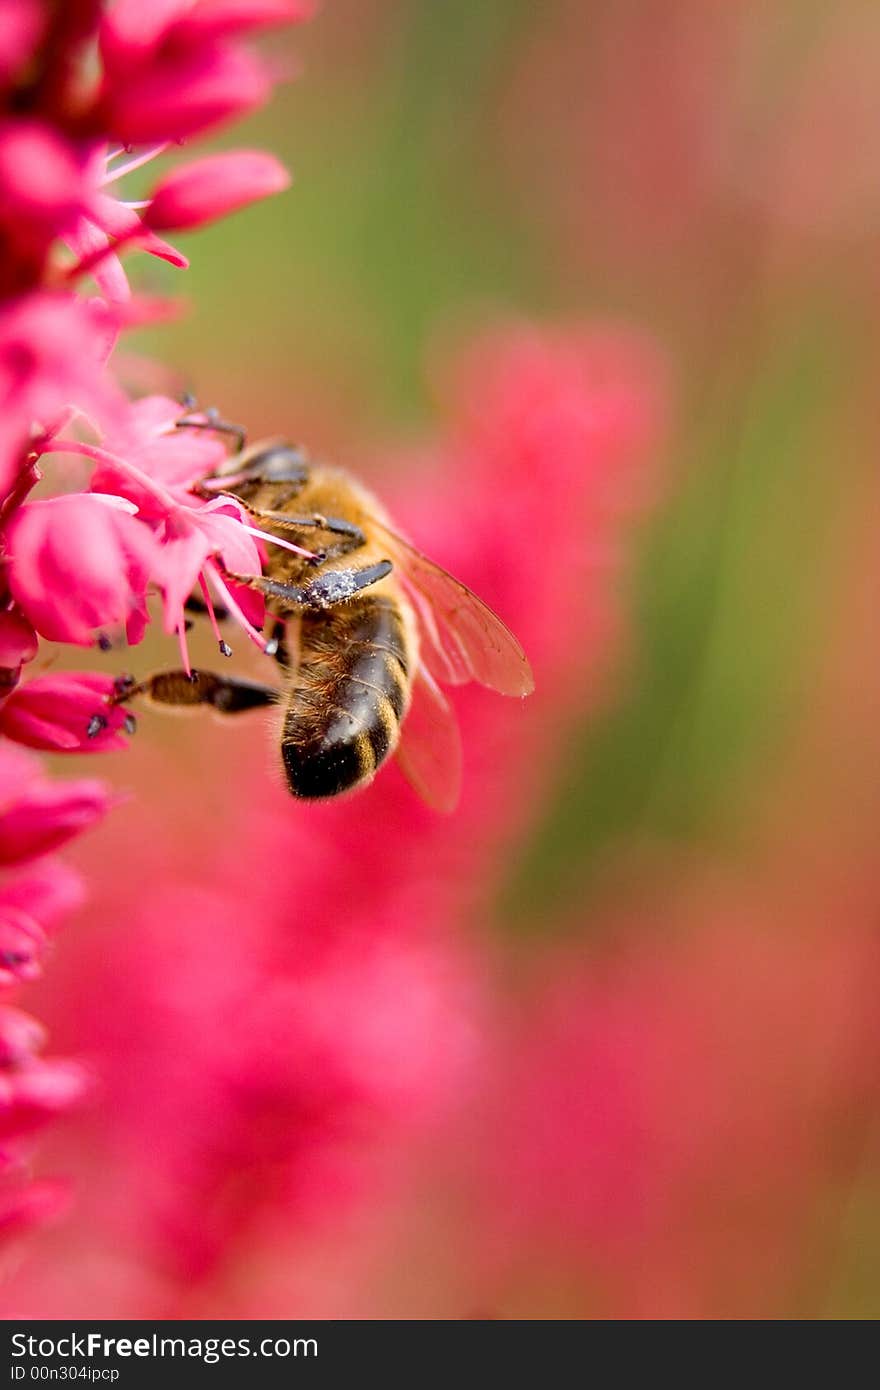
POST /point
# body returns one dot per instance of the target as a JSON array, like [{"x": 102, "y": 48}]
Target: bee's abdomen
[{"x": 348, "y": 697}]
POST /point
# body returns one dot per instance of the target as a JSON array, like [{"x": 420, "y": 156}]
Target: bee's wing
[
  {"x": 429, "y": 748},
  {"x": 462, "y": 639}
]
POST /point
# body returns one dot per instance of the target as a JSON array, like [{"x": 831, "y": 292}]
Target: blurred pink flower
[
  {"x": 46, "y": 890},
  {"x": 21, "y": 27},
  {"x": 38, "y": 815},
  {"x": 31, "y": 903},
  {"x": 178, "y": 68},
  {"x": 43, "y": 183},
  {"x": 32, "y": 1090},
  {"x": 22, "y": 941},
  {"x": 662, "y": 1117},
  {"x": 26, "y": 1204}
]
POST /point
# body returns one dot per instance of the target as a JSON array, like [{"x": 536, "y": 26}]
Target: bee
[{"x": 366, "y": 631}]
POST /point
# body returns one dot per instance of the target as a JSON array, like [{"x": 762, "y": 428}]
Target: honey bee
[{"x": 367, "y": 630}]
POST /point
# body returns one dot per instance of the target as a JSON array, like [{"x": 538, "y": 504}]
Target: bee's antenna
[{"x": 211, "y": 421}]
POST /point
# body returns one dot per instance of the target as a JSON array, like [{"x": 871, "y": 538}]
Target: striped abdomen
[{"x": 347, "y": 698}]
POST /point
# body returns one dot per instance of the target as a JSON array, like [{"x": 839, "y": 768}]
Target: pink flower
[
  {"x": 685, "y": 1097},
  {"x": 172, "y": 70},
  {"x": 53, "y": 350},
  {"x": 22, "y": 941},
  {"x": 25, "y": 1203},
  {"x": 67, "y": 713},
  {"x": 153, "y": 464},
  {"x": 98, "y": 238},
  {"x": 190, "y": 539},
  {"x": 32, "y": 1090},
  {"x": 218, "y": 19},
  {"x": 44, "y": 185},
  {"x": 132, "y": 33},
  {"x": 183, "y": 93},
  {"x": 37, "y": 815},
  {"x": 21, "y": 26},
  {"x": 145, "y": 458},
  {"x": 193, "y": 194},
  {"x": 47, "y": 890},
  {"x": 18, "y": 644},
  {"x": 167, "y": 71},
  {"x": 31, "y": 903},
  {"x": 20, "y": 1036},
  {"x": 76, "y": 79},
  {"x": 78, "y": 564}
]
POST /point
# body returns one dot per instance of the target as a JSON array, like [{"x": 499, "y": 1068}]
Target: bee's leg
[
  {"x": 351, "y": 536},
  {"x": 336, "y": 525},
  {"x": 212, "y": 421},
  {"x": 324, "y": 591},
  {"x": 226, "y": 694},
  {"x": 335, "y": 586}
]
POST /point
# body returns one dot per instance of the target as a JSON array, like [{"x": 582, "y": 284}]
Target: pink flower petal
[
  {"x": 68, "y": 713},
  {"x": 224, "y": 18},
  {"x": 22, "y": 942},
  {"x": 21, "y": 1036},
  {"x": 32, "y": 1204},
  {"x": 43, "y": 178},
  {"x": 42, "y": 815},
  {"x": 53, "y": 350},
  {"x": 78, "y": 565},
  {"x": 47, "y": 891},
  {"x": 38, "y": 1092},
  {"x": 18, "y": 641},
  {"x": 21, "y": 27},
  {"x": 206, "y": 189},
  {"x": 185, "y": 93},
  {"x": 131, "y": 31}
]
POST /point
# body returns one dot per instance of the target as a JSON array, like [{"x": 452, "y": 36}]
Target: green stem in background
[{"x": 735, "y": 586}]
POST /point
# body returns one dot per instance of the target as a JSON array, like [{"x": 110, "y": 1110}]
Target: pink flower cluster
[
  {"x": 90, "y": 93},
  {"x": 36, "y": 817}
]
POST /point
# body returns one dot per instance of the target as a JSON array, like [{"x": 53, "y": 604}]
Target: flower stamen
[
  {"x": 225, "y": 649},
  {"x": 225, "y": 597},
  {"x": 136, "y": 162},
  {"x": 276, "y": 540}
]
